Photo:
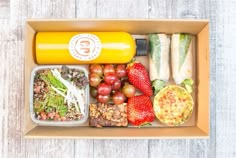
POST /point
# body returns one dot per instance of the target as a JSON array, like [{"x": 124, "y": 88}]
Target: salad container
[{"x": 53, "y": 122}]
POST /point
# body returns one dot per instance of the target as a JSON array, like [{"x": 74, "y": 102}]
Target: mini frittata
[{"x": 173, "y": 105}]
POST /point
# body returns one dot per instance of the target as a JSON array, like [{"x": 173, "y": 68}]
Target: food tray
[{"x": 200, "y": 127}]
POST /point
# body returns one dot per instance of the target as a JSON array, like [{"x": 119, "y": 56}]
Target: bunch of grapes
[{"x": 109, "y": 82}]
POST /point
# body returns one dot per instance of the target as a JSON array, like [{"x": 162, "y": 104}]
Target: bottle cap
[{"x": 141, "y": 47}]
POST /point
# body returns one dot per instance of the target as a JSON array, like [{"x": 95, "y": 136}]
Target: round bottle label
[{"x": 85, "y": 47}]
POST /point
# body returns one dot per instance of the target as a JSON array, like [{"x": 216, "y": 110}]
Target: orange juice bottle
[{"x": 84, "y": 47}]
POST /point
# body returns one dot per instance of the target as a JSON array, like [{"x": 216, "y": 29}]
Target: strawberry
[
  {"x": 139, "y": 110},
  {"x": 138, "y": 76}
]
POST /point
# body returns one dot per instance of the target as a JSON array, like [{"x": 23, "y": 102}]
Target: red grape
[
  {"x": 96, "y": 69},
  {"x": 104, "y": 89},
  {"x": 129, "y": 90},
  {"x": 121, "y": 71},
  {"x": 116, "y": 85},
  {"x": 103, "y": 98},
  {"x": 94, "y": 80},
  {"x": 93, "y": 92},
  {"x": 109, "y": 69},
  {"x": 118, "y": 98},
  {"x": 110, "y": 78}
]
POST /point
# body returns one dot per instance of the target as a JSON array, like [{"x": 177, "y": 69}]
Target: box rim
[
  {"x": 206, "y": 21},
  {"x": 112, "y": 19}
]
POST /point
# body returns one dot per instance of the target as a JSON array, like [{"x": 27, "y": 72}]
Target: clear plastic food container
[{"x": 42, "y": 122}]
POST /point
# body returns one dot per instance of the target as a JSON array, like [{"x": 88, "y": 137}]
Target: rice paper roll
[
  {"x": 159, "y": 69},
  {"x": 182, "y": 59}
]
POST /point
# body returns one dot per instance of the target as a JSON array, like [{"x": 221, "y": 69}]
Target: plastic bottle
[{"x": 84, "y": 48}]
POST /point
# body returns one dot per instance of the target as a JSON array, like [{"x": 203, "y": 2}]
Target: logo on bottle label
[{"x": 85, "y": 47}]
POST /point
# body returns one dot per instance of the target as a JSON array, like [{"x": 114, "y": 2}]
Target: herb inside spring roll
[
  {"x": 159, "y": 60},
  {"x": 181, "y": 58}
]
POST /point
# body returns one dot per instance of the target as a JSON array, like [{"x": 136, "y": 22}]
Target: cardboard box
[{"x": 200, "y": 28}]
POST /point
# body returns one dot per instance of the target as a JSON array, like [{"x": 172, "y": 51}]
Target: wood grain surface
[{"x": 222, "y": 15}]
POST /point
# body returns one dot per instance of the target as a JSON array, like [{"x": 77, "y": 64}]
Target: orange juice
[{"x": 84, "y": 47}]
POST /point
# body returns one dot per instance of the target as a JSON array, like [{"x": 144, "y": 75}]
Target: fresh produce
[
  {"x": 109, "y": 69},
  {"x": 104, "y": 89},
  {"x": 159, "y": 60},
  {"x": 118, "y": 98},
  {"x": 173, "y": 105},
  {"x": 140, "y": 110},
  {"x": 181, "y": 58},
  {"x": 129, "y": 90},
  {"x": 138, "y": 76},
  {"x": 110, "y": 78},
  {"x": 93, "y": 92},
  {"x": 121, "y": 71},
  {"x": 97, "y": 69},
  {"x": 112, "y": 85},
  {"x": 103, "y": 98},
  {"x": 59, "y": 94},
  {"x": 94, "y": 80},
  {"x": 116, "y": 85}
]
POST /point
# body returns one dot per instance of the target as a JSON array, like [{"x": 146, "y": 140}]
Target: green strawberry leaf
[
  {"x": 145, "y": 124},
  {"x": 185, "y": 40},
  {"x": 155, "y": 50},
  {"x": 157, "y": 85}
]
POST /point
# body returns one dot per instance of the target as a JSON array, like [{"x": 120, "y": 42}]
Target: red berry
[{"x": 138, "y": 76}]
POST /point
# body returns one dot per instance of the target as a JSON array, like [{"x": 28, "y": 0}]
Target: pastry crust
[{"x": 173, "y": 105}]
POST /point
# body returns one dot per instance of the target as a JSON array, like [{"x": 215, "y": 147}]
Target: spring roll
[
  {"x": 182, "y": 59},
  {"x": 159, "y": 60}
]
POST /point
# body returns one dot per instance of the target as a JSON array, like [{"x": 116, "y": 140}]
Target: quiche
[{"x": 173, "y": 105}]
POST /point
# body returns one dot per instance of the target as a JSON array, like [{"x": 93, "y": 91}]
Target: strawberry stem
[
  {"x": 129, "y": 64},
  {"x": 133, "y": 60}
]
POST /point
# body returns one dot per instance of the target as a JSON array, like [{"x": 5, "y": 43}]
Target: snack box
[{"x": 200, "y": 125}]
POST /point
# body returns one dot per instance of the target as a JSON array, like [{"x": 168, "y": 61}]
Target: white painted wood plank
[
  {"x": 48, "y": 148},
  {"x": 213, "y": 9},
  {"x": 4, "y": 89},
  {"x": 84, "y": 148},
  {"x": 121, "y": 148},
  {"x": 168, "y": 148},
  {"x": 122, "y": 8},
  {"x": 226, "y": 80},
  {"x": 4, "y": 9},
  {"x": 86, "y": 8},
  {"x": 14, "y": 69},
  {"x": 51, "y": 9},
  {"x": 178, "y": 9}
]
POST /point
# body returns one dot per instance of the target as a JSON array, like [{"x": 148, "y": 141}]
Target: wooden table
[{"x": 222, "y": 15}]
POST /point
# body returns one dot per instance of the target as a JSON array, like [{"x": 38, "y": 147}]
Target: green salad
[{"x": 59, "y": 94}]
